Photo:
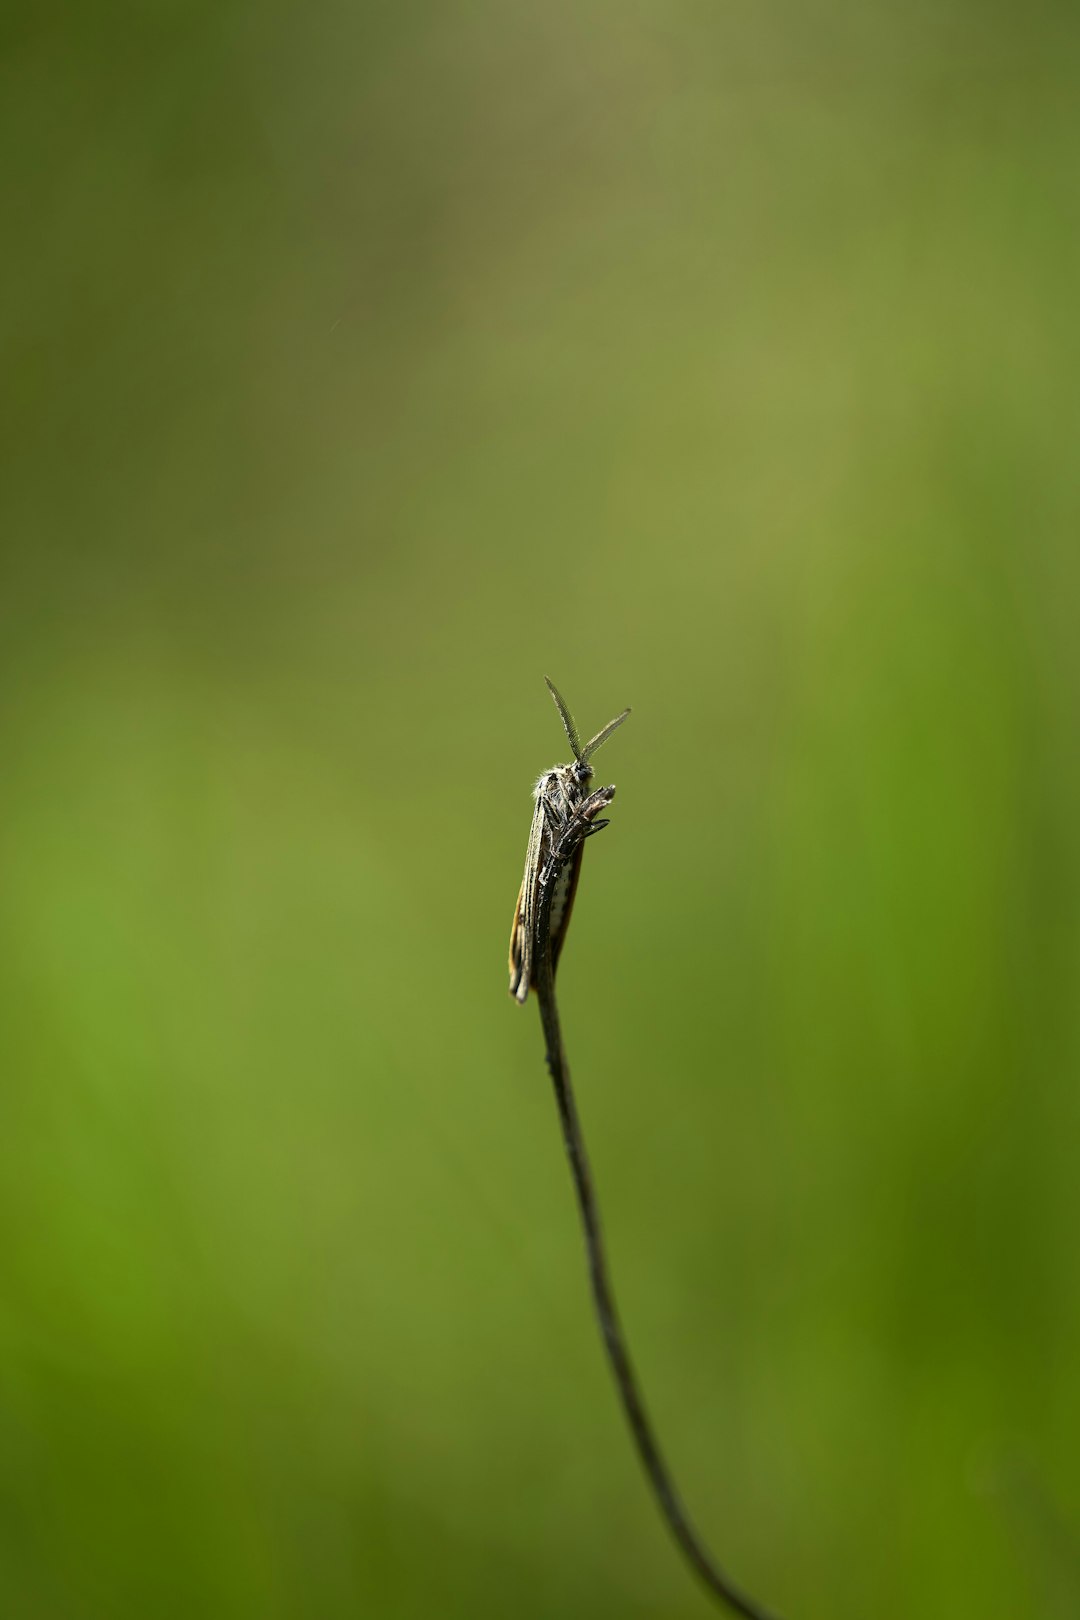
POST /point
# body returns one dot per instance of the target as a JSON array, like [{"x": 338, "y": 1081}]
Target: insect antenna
[
  {"x": 602, "y": 736},
  {"x": 567, "y": 719}
]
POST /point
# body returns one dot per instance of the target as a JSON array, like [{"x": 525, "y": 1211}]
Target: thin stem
[{"x": 656, "y": 1469}]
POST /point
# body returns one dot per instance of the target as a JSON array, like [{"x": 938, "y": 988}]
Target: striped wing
[{"x": 523, "y": 932}]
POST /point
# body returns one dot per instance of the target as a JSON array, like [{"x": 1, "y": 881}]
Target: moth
[{"x": 562, "y": 796}]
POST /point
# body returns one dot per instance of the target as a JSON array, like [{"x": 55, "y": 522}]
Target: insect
[{"x": 562, "y": 794}]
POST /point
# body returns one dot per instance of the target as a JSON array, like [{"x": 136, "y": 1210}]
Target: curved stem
[{"x": 648, "y": 1449}]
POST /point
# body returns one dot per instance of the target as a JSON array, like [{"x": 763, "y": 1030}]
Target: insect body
[{"x": 562, "y": 795}]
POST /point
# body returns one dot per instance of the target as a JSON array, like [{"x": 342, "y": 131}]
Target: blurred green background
[{"x": 363, "y": 364}]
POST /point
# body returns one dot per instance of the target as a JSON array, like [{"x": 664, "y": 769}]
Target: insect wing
[
  {"x": 517, "y": 944},
  {"x": 523, "y": 932}
]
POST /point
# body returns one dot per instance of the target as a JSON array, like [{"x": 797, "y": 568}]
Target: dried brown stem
[{"x": 663, "y": 1487}]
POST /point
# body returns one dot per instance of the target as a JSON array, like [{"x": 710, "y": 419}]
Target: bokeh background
[{"x": 362, "y": 364}]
